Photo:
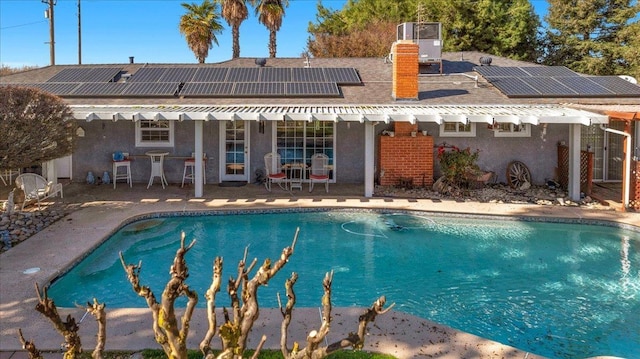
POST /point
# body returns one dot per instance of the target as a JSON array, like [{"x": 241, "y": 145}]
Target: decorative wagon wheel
[{"x": 517, "y": 174}]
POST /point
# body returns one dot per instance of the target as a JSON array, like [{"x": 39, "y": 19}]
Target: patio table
[{"x": 157, "y": 167}]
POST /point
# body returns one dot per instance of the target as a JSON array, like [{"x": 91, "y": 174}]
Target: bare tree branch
[
  {"x": 210, "y": 295},
  {"x": 97, "y": 310},
  {"x": 68, "y": 329},
  {"x": 30, "y": 347}
]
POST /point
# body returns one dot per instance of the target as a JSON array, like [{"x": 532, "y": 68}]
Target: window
[
  {"x": 457, "y": 129},
  {"x": 154, "y": 133},
  {"x": 297, "y": 141},
  {"x": 511, "y": 130}
]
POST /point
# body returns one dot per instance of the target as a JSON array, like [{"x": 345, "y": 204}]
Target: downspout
[{"x": 627, "y": 160}]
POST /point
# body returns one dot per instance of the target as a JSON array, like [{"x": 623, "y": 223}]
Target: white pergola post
[
  {"x": 198, "y": 158},
  {"x": 574, "y": 162},
  {"x": 369, "y": 159}
]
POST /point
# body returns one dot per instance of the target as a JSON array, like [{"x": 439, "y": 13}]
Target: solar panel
[
  {"x": 549, "y": 71},
  {"x": 209, "y": 88},
  {"x": 514, "y": 87},
  {"x": 178, "y": 74},
  {"x": 342, "y": 75},
  {"x": 216, "y": 74},
  {"x": 243, "y": 74},
  {"x": 259, "y": 89},
  {"x": 86, "y": 74},
  {"x": 313, "y": 89},
  {"x": 275, "y": 74},
  {"x": 148, "y": 74},
  {"x": 56, "y": 88},
  {"x": 583, "y": 86},
  {"x": 617, "y": 85},
  {"x": 548, "y": 86},
  {"x": 307, "y": 74},
  {"x": 100, "y": 89},
  {"x": 492, "y": 71},
  {"x": 151, "y": 89}
]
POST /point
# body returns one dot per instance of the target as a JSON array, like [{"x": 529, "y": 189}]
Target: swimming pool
[{"x": 558, "y": 290}]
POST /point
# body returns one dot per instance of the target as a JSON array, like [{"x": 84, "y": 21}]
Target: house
[{"x": 239, "y": 110}]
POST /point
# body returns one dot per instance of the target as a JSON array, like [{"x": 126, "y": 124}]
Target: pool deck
[{"x": 98, "y": 210}]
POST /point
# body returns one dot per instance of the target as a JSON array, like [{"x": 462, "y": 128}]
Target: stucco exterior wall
[{"x": 102, "y": 138}]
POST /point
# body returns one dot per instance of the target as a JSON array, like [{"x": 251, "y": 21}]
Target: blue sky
[{"x": 113, "y": 30}]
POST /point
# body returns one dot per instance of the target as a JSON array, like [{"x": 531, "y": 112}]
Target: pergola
[{"x": 369, "y": 115}]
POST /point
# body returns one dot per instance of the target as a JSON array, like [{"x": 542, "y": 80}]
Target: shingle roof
[{"x": 459, "y": 87}]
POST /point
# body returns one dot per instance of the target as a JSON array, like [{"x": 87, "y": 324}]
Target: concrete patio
[{"x": 96, "y": 210}]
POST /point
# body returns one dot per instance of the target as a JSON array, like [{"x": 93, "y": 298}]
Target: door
[
  {"x": 234, "y": 151},
  {"x": 614, "y": 153},
  {"x": 63, "y": 167}
]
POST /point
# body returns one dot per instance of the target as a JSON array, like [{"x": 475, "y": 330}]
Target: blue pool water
[{"x": 558, "y": 290}]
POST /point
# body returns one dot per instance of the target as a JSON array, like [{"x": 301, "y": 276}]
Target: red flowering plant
[{"x": 458, "y": 166}]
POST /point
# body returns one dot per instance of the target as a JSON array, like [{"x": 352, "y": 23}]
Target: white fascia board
[
  {"x": 481, "y": 118},
  {"x": 586, "y": 121},
  {"x": 271, "y": 116},
  {"x": 429, "y": 118},
  {"x": 355, "y": 117},
  {"x": 298, "y": 117},
  {"x": 455, "y": 118},
  {"x": 532, "y": 120},
  {"x": 220, "y": 116},
  {"x": 325, "y": 117},
  {"x": 507, "y": 119}
]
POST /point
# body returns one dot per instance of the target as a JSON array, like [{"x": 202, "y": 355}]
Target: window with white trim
[
  {"x": 151, "y": 133},
  {"x": 457, "y": 129},
  {"x": 506, "y": 129},
  {"x": 297, "y": 141}
]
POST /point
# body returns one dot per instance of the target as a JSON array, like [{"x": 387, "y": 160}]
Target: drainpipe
[{"x": 627, "y": 161}]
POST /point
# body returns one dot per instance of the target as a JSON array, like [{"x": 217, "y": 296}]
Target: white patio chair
[
  {"x": 37, "y": 188},
  {"x": 319, "y": 171},
  {"x": 273, "y": 166}
]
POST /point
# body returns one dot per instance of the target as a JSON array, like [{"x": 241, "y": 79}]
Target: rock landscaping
[{"x": 18, "y": 226}]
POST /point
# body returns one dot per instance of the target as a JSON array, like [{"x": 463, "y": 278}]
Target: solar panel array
[
  {"x": 196, "y": 81},
  {"x": 555, "y": 81}
]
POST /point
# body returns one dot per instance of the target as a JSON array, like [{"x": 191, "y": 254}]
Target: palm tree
[
  {"x": 200, "y": 25},
  {"x": 270, "y": 14},
  {"x": 235, "y": 12}
]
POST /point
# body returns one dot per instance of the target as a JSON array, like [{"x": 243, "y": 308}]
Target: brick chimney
[{"x": 405, "y": 70}]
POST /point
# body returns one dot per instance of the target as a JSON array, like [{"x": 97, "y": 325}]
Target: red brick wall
[
  {"x": 403, "y": 156},
  {"x": 405, "y": 71}
]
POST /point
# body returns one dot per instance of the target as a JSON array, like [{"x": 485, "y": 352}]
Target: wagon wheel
[{"x": 517, "y": 174}]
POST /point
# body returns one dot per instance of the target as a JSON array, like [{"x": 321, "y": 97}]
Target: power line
[{"x": 27, "y": 24}]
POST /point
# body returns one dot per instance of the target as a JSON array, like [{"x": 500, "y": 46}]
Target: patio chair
[
  {"x": 319, "y": 171},
  {"x": 190, "y": 169},
  {"x": 37, "y": 188},
  {"x": 273, "y": 165}
]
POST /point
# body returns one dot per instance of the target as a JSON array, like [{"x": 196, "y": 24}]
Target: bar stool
[
  {"x": 121, "y": 159},
  {"x": 190, "y": 168}
]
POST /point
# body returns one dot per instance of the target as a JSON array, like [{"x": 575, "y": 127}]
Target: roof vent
[
  {"x": 485, "y": 61},
  {"x": 261, "y": 62},
  {"x": 130, "y": 59}
]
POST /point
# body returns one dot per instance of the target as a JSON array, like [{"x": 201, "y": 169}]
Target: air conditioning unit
[{"x": 428, "y": 36}]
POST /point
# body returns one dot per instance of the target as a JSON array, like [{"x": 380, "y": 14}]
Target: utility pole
[
  {"x": 79, "y": 36},
  {"x": 52, "y": 43}
]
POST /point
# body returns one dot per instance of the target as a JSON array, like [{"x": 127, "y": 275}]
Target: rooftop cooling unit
[{"x": 428, "y": 36}]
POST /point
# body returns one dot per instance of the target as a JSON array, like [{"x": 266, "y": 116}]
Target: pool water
[{"x": 557, "y": 290}]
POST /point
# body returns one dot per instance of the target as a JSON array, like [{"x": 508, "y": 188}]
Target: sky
[{"x": 114, "y": 30}]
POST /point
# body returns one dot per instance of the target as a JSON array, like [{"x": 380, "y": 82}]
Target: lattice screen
[
  {"x": 586, "y": 169},
  {"x": 634, "y": 189}
]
